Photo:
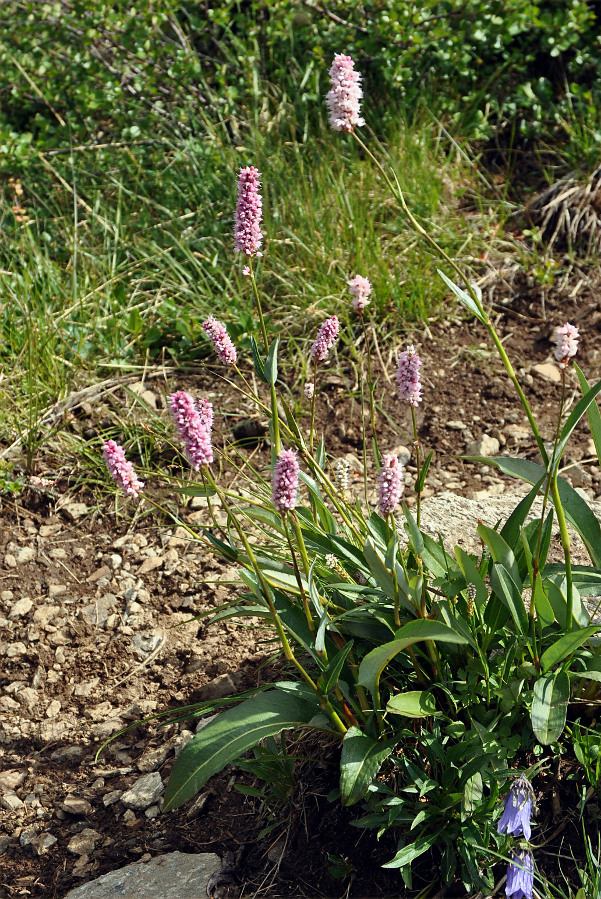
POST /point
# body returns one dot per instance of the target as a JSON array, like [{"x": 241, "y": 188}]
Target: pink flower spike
[
  {"x": 325, "y": 340},
  {"x": 344, "y": 96},
  {"x": 407, "y": 377},
  {"x": 217, "y": 334},
  {"x": 359, "y": 289},
  {"x": 121, "y": 471},
  {"x": 285, "y": 481},
  {"x": 194, "y": 423},
  {"x": 309, "y": 390},
  {"x": 246, "y": 271},
  {"x": 390, "y": 485},
  {"x": 566, "y": 339},
  {"x": 247, "y": 227}
]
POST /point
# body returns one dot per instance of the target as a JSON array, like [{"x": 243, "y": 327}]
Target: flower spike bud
[
  {"x": 515, "y": 819},
  {"x": 221, "y": 340},
  {"x": 359, "y": 289},
  {"x": 194, "y": 423},
  {"x": 407, "y": 377},
  {"x": 309, "y": 390},
  {"x": 566, "y": 339},
  {"x": 249, "y": 209},
  {"x": 344, "y": 95},
  {"x": 325, "y": 340},
  {"x": 121, "y": 471},
  {"x": 285, "y": 482},
  {"x": 390, "y": 485},
  {"x": 520, "y": 876}
]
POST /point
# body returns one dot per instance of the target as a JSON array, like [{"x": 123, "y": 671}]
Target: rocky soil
[{"x": 99, "y": 606}]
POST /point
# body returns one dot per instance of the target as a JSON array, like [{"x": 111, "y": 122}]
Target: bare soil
[{"x": 98, "y": 627}]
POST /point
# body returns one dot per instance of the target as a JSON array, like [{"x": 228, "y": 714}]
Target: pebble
[
  {"x": 224, "y": 685},
  {"x": 547, "y": 371},
  {"x": 75, "y": 805},
  {"x": 15, "y": 650},
  {"x": 144, "y": 792},
  {"x": 484, "y": 445},
  {"x": 456, "y": 425},
  {"x": 56, "y": 590},
  {"x": 150, "y": 564},
  {"x": 21, "y": 608},
  {"x": 42, "y": 843},
  {"x": 67, "y": 754},
  {"x": 74, "y": 510},
  {"x": 25, "y": 554},
  {"x": 111, "y": 797},
  {"x": 11, "y": 802},
  {"x": 83, "y": 843}
]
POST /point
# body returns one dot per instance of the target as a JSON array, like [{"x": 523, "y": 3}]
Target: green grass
[{"x": 113, "y": 258}]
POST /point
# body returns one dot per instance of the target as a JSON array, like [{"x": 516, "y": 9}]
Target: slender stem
[
  {"x": 299, "y": 580},
  {"x": 371, "y": 386},
  {"x": 364, "y": 450},
  {"x": 565, "y": 542},
  {"x": 300, "y": 542},
  {"x": 259, "y": 307},
  {"x": 275, "y": 417},
  {"x": 397, "y": 192},
  {"x": 313, "y": 407},
  {"x": 417, "y": 453}
]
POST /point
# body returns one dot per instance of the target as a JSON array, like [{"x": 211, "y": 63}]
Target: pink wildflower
[
  {"x": 121, "y": 471},
  {"x": 285, "y": 481},
  {"x": 217, "y": 334},
  {"x": 407, "y": 377},
  {"x": 359, "y": 289},
  {"x": 246, "y": 271},
  {"x": 390, "y": 485},
  {"x": 309, "y": 390},
  {"x": 566, "y": 339},
  {"x": 344, "y": 96},
  {"x": 326, "y": 338},
  {"x": 247, "y": 227},
  {"x": 194, "y": 422}
]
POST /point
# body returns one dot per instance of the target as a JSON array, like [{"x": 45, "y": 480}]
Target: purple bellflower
[
  {"x": 515, "y": 819},
  {"x": 520, "y": 876}
]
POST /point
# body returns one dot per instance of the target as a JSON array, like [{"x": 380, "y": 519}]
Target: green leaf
[
  {"x": 360, "y": 761},
  {"x": 558, "y": 651},
  {"x": 463, "y": 297},
  {"x": 509, "y": 593},
  {"x": 229, "y": 736},
  {"x": 550, "y": 706},
  {"x": 409, "y": 853},
  {"x": 412, "y": 704},
  {"x": 417, "y": 541},
  {"x": 292, "y": 424},
  {"x": 593, "y": 670},
  {"x": 259, "y": 368},
  {"x": 329, "y": 678},
  {"x": 374, "y": 662},
  {"x": 196, "y": 490},
  {"x": 472, "y": 796},
  {"x": 510, "y": 531},
  {"x": 576, "y": 509},
  {"x": 593, "y": 414},
  {"x": 500, "y": 551},
  {"x": 557, "y": 593},
  {"x": 421, "y": 480},
  {"x": 574, "y": 417},
  {"x": 271, "y": 365},
  {"x": 472, "y": 576}
]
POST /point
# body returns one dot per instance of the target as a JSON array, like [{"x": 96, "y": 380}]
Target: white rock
[
  {"x": 144, "y": 792},
  {"x": 26, "y": 554},
  {"x": 484, "y": 445},
  {"x": 547, "y": 371},
  {"x": 21, "y": 607}
]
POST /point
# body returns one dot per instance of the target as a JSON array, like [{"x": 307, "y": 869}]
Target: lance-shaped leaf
[
  {"x": 360, "y": 761},
  {"x": 550, "y": 706},
  {"x": 464, "y": 298},
  {"x": 375, "y": 662},
  {"x": 229, "y": 736},
  {"x": 412, "y": 704},
  {"x": 562, "y": 648}
]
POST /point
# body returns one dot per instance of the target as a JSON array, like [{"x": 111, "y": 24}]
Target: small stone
[
  {"x": 484, "y": 445},
  {"x": 43, "y": 842},
  {"x": 83, "y": 843},
  {"x": 7, "y": 595},
  {"x": 150, "y": 564},
  {"x": 224, "y": 685},
  {"x": 112, "y": 797},
  {"x": 56, "y": 590},
  {"x": 11, "y": 802},
  {"x": 547, "y": 371},
  {"x": 75, "y": 805},
  {"x": 153, "y": 759},
  {"x": 11, "y": 780},
  {"x": 53, "y": 709},
  {"x": 144, "y": 792},
  {"x": 152, "y": 812},
  {"x": 10, "y": 561},
  {"x": 144, "y": 644},
  {"x": 28, "y": 697},
  {"x": 47, "y": 530},
  {"x": 21, "y": 608},
  {"x": 75, "y": 510},
  {"x": 578, "y": 476},
  {"x": 456, "y": 425},
  {"x": 28, "y": 835},
  {"x": 67, "y": 754},
  {"x": 15, "y": 649},
  {"x": 129, "y": 816},
  {"x": 25, "y": 554}
]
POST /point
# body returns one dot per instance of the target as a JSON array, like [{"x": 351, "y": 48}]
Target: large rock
[{"x": 173, "y": 876}]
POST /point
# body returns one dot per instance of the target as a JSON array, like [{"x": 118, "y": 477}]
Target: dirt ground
[{"x": 97, "y": 629}]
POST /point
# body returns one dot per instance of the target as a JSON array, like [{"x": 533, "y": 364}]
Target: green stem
[
  {"x": 565, "y": 542},
  {"x": 417, "y": 453},
  {"x": 313, "y": 407},
  {"x": 259, "y": 307},
  {"x": 299, "y": 580},
  {"x": 300, "y": 542},
  {"x": 371, "y": 386},
  {"x": 397, "y": 192}
]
